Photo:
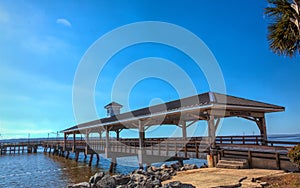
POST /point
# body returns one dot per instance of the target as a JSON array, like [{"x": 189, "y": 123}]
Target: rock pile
[{"x": 151, "y": 178}]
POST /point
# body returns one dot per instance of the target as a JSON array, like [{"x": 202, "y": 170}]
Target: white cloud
[
  {"x": 64, "y": 22},
  {"x": 4, "y": 17}
]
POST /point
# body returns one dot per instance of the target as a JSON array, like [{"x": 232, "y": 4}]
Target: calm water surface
[
  {"x": 44, "y": 170},
  {"x": 32, "y": 170}
]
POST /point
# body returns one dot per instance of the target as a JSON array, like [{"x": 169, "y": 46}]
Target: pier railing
[
  {"x": 258, "y": 159},
  {"x": 19, "y": 147},
  {"x": 252, "y": 140},
  {"x": 191, "y": 147}
]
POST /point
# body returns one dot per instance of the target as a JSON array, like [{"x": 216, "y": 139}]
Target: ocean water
[
  {"x": 285, "y": 137},
  {"x": 44, "y": 170}
]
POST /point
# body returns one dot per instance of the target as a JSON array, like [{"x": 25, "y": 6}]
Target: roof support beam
[
  {"x": 199, "y": 117},
  {"x": 74, "y": 142},
  {"x": 212, "y": 131},
  {"x": 141, "y": 142},
  {"x": 183, "y": 127},
  {"x": 190, "y": 124},
  {"x": 261, "y": 123},
  {"x": 107, "y": 140}
]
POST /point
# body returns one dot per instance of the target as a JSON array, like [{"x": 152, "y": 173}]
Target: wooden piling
[
  {"x": 98, "y": 158},
  {"x": 67, "y": 155},
  {"x": 113, "y": 165},
  {"x": 91, "y": 159},
  {"x": 76, "y": 156}
]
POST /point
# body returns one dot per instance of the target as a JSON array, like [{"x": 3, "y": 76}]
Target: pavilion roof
[{"x": 200, "y": 103}]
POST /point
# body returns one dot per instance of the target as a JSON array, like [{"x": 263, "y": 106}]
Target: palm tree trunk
[{"x": 296, "y": 20}]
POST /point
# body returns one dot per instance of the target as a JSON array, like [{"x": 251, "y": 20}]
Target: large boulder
[
  {"x": 98, "y": 176},
  {"x": 176, "y": 166},
  {"x": 164, "y": 166},
  {"x": 165, "y": 176},
  {"x": 138, "y": 178},
  {"x": 106, "y": 182},
  {"x": 122, "y": 179},
  {"x": 152, "y": 169}
]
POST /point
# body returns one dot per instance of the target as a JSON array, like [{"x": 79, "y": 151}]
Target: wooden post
[
  {"x": 107, "y": 140},
  {"x": 197, "y": 150},
  {"x": 212, "y": 158},
  {"x": 113, "y": 164},
  {"x": 86, "y": 142},
  {"x": 277, "y": 156},
  {"x": 74, "y": 142},
  {"x": 91, "y": 159},
  {"x": 212, "y": 132},
  {"x": 263, "y": 131},
  {"x": 98, "y": 158},
  {"x": 118, "y": 134},
  {"x": 76, "y": 156},
  {"x": 183, "y": 127},
  {"x": 141, "y": 143},
  {"x": 184, "y": 137},
  {"x": 249, "y": 159},
  {"x": 67, "y": 155},
  {"x": 65, "y": 141},
  {"x": 100, "y": 135},
  {"x": 261, "y": 123}
]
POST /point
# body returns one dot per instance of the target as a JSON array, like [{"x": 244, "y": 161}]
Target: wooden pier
[
  {"x": 210, "y": 107},
  {"x": 273, "y": 155},
  {"x": 20, "y": 147}
]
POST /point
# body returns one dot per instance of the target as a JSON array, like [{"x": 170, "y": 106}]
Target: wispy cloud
[
  {"x": 64, "y": 22},
  {"x": 45, "y": 45},
  {"x": 4, "y": 16}
]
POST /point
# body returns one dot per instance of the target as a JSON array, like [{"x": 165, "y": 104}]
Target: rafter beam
[{"x": 190, "y": 124}]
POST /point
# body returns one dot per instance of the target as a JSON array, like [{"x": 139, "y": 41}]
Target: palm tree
[{"x": 284, "y": 29}]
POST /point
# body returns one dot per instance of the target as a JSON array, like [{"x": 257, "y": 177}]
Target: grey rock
[
  {"x": 190, "y": 166},
  {"x": 98, "y": 176},
  {"x": 165, "y": 176},
  {"x": 122, "y": 179},
  {"x": 152, "y": 169},
  {"x": 164, "y": 166},
  {"x": 81, "y": 185},
  {"x": 156, "y": 182},
  {"x": 176, "y": 166},
  {"x": 173, "y": 184},
  {"x": 106, "y": 182}
]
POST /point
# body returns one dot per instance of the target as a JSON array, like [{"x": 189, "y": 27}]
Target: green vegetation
[
  {"x": 294, "y": 155},
  {"x": 284, "y": 27}
]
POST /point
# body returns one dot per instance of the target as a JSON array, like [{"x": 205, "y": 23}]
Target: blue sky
[{"x": 42, "y": 43}]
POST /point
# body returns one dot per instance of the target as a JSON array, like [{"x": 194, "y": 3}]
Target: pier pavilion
[{"x": 209, "y": 107}]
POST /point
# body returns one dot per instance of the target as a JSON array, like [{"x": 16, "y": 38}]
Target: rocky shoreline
[{"x": 150, "y": 178}]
